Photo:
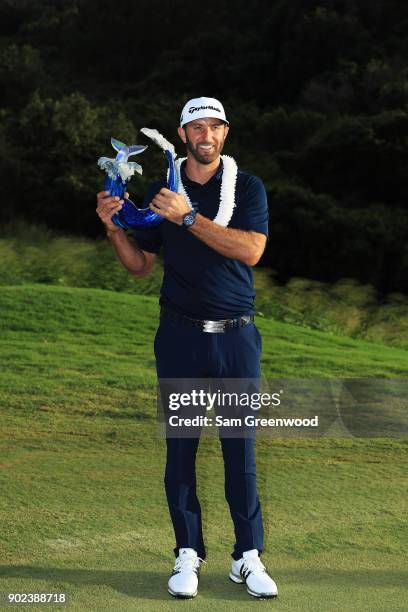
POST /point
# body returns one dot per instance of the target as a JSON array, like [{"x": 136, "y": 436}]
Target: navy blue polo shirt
[{"x": 199, "y": 282}]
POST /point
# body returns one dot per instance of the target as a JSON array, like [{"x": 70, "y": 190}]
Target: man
[{"x": 213, "y": 231}]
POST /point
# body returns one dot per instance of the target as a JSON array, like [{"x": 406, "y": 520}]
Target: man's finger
[
  {"x": 156, "y": 209},
  {"x": 102, "y": 195},
  {"x": 114, "y": 205},
  {"x": 112, "y": 211},
  {"x": 159, "y": 197},
  {"x": 108, "y": 201},
  {"x": 107, "y": 207},
  {"x": 160, "y": 200}
]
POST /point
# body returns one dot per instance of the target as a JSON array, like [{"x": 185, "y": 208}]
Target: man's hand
[
  {"x": 170, "y": 205},
  {"x": 107, "y": 206}
]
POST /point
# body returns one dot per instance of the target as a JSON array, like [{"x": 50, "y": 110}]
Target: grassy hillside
[
  {"x": 83, "y": 509},
  {"x": 31, "y": 254}
]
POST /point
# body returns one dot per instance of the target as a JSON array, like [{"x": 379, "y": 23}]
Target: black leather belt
[{"x": 212, "y": 327}]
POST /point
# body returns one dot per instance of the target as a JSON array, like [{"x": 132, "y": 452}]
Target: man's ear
[
  {"x": 182, "y": 134},
  {"x": 226, "y": 130}
]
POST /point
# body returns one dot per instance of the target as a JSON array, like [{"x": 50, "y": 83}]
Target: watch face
[{"x": 189, "y": 219}]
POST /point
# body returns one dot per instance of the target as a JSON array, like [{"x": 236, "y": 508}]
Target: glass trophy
[{"x": 119, "y": 172}]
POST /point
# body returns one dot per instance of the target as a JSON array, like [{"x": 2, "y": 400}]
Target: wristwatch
[{"x": 189, "y": 218}]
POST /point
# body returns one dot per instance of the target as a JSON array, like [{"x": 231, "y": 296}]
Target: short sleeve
[
  {"x": 252, "y": 207},
  {"x": 149, "y": 239}
]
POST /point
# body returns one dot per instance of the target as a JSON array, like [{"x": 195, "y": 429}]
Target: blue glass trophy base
[{"x": 130, "y": 215}]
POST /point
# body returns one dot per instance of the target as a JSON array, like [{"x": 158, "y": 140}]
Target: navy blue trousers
[{"x": 186, "y": 352}]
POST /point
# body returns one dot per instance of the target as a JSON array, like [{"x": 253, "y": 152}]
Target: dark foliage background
[{"x": 316, "y": 92}]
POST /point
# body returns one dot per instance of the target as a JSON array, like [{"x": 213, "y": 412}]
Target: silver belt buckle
[{"x": 213, "y": 327}]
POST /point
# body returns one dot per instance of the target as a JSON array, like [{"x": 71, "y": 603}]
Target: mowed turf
[{"x": 82, "y": 506}]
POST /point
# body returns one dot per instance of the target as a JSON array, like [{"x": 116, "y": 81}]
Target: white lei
[{"x": 227, "y": 195}]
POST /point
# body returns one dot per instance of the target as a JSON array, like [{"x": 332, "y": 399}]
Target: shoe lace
[
  {"x": 252, "y": 566},
  {"x": 188, "y": 563}
]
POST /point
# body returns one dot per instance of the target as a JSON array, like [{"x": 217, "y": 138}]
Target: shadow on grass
[
  {"x": 214, "y": 585},
  {"x": 147, "y": 585}
]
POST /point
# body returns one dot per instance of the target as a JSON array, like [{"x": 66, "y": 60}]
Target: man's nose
[{"x": 207, "y": 133}]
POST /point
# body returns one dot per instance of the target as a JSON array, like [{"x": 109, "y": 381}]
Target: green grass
[
  {"x": 83, "y": 509},
  {"x": 345, "y": 307},
  {"x": 35, "y": 254}
]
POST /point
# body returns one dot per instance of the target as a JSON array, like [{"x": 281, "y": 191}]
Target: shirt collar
[{"x": 186, "y": 181}]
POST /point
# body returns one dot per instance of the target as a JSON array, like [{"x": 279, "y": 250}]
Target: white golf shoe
[
  {"x": 183, "y": 582},
  {"x": 250, "y": 569}
]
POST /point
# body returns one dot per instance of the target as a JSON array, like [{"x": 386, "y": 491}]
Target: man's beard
[{"x": 202, "y": 158}]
